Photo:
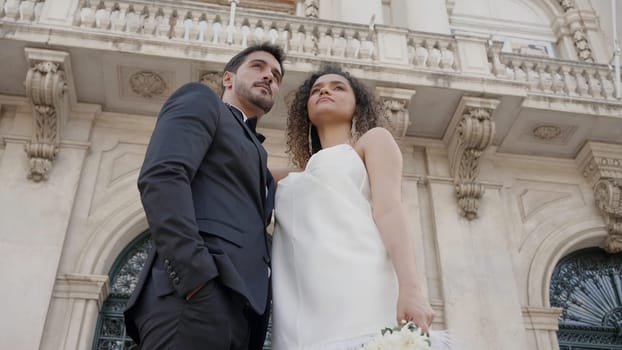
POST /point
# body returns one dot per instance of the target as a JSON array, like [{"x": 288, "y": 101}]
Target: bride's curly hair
[{"x": 367, "y": 114}]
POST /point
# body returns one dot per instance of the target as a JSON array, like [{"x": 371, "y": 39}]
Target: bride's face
[{"x": 331, "y": 99}]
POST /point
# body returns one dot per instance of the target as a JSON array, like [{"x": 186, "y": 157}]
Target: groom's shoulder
[{"x": 195, "y": 89}]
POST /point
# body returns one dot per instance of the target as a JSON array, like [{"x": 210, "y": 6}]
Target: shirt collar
[{"x": 241, "y": 111}]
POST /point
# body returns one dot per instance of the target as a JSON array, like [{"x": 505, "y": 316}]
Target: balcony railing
[
  {"x": 196, "y": 25},
  {"x": 555, "y": 77}
]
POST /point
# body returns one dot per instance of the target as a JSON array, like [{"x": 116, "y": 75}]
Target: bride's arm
[
  {"x": 279, "y": 173},
  {"x": 383, "y": 161}
]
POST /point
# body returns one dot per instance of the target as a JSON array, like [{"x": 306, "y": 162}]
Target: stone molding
[
  {"x": 395, "y": 103},
  {"x": 469, "y": 134},
  {"x": 46, "y": 88},
  {"x": 601, "y": 164},
  {"x": 541, "y": 318},
  {"x": 87, "y": 287}
]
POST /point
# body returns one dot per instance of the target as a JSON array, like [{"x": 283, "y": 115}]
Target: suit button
[
  {"x": 169, "y": 269},
  {"x": 176, "y": 280},
  {"x": 167, "y": 262},
  {"x": 172, "y": 274}
]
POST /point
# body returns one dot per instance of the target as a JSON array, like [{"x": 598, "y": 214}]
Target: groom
[{"x": 208, "y": 195}]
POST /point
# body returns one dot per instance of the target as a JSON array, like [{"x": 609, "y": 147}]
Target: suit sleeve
[{"x": 182, "y": 136}]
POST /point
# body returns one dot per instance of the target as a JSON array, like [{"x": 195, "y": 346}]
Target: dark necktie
[{"x": 252, "y": 124}]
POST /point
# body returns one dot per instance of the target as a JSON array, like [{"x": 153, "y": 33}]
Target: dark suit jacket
[{"x": 203, "y": 187}]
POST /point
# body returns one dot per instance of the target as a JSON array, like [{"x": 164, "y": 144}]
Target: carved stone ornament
[
  {"x": 547, "y": 132},
  {"x": 395, "y": 106},
  {"x": 578, "y": 35},
  {"x": 608, "y": 197},
  {"x": 472, "y": 131},
  {"x": 601, "y": 164},
  {"x": 45, "y": 86},
  {"x": 147, "y": 84},
  {"x": 312, "y": 8},
  {"x": 213, "y": 79},
  {"x": 566, "y": 5}
]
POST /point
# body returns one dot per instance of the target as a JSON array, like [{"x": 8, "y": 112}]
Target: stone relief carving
[
  {"x": 312, "y": 8},
  {"x": 608, "y": 198},
  {"x": 395, "y": 106},
  {"x": 473, "y": 132},
  {"x": 45, "y": 86},
  {"x": 213, "y": 79},
  {"x": 601, "y": 164},
  {"x": 578, "y": 33},
  {"x": 147, "y": 84},
  {"x": 547, "y": 132}
]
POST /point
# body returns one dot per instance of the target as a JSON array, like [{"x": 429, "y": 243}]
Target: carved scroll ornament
[{"x": 45, "y": 86}]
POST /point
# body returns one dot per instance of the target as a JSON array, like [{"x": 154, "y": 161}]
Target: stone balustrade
[
  {"x": 209, "y": 25},
  {"x": 555, "y": 77},
  {"x": 433, "y": 51},
  {"x": 20, "y": 10},
  {"x": 201, "y": 25}
]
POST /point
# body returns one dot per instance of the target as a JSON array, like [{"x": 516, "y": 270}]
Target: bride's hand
[{"x": 413, "y": 306}]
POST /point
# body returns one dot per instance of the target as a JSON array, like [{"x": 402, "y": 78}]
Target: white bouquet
[{"x": 408, "y": 336}]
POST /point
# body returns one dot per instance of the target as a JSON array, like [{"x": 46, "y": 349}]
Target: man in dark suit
[{"x": 208, "y": 196}]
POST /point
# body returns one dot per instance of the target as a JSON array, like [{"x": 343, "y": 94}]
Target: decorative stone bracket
[
  {"x": 395, "y": 104},
  {"x": 470, "y": 133},
  {"x": 46, "y": 87},
  {"x": 601, "y": 164}
]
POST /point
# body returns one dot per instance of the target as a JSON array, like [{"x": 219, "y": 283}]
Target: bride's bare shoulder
[{"x": 377, "y": 137}]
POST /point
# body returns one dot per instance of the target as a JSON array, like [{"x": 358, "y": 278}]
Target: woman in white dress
[{"x": 343, "y": 259}]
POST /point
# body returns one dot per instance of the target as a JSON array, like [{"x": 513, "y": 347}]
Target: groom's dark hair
[{"x": 236, "y": 61}]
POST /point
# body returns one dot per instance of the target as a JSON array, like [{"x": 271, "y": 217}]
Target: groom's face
[{"x": 257, "y": 80}]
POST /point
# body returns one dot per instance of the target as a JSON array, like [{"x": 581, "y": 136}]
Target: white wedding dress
[{"x": 334, "y": 285}]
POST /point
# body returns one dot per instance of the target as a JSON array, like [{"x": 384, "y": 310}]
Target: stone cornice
[{"x": 601, "y": 164}]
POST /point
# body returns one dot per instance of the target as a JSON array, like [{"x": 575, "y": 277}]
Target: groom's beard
[{"x": 258, "y": 99}]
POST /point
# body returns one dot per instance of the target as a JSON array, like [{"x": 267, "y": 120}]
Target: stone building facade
[{"x": 506, "y": 111}]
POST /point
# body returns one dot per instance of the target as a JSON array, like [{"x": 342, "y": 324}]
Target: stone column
[
  {"x": 352, "y": 11},
  {"x": 37, "y": 195},
  {"x": 422, "y": 15}
]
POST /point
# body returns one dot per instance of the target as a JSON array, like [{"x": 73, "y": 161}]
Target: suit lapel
[{"x": 263, "y": 157}]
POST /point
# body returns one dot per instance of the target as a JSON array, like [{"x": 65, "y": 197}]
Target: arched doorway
[
  {"x": 587, "y": 285},
  {"x": 110, "y": 332}
]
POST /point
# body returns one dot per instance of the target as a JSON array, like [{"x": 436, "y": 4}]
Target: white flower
[{"x": 405, "y": 337}]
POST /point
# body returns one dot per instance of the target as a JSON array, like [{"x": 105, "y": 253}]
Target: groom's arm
[{"x": 182, "y": 136}]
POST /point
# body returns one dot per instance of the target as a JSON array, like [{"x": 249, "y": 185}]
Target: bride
[{"x": 343, "y": 258}]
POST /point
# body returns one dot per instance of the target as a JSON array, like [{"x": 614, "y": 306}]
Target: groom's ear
[{"x": 227, "y": 80}]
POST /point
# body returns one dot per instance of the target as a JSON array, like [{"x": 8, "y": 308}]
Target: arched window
[
  {"x": 587, "y": 285},
  {"x": 110, "y": 331}
]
